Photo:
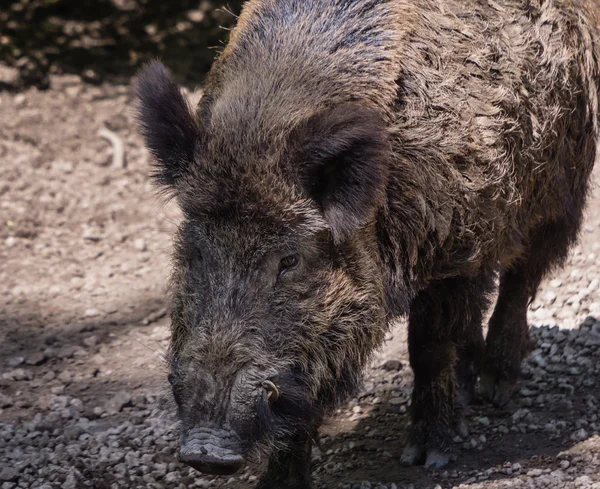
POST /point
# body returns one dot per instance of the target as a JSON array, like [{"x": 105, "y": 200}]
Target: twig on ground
[{"x": 118, "y": 147}]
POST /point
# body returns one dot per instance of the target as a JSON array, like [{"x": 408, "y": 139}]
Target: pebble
[
  {"x": 140, "y": 244},
  {"x": 65, "y": 377},
  {"x": 36, "y": 358},
  {"x": 5, "y": 401},
  {"x": 120, "y": 401},
  {"x": 91, "y": 313},
  {"x": 90, "y": 341},
  {"x": 8, "y": 474},
  {"x": 16, "y": 361},
  {"x": 579, "y": 435},
  {"x": 18, "y": 375}
]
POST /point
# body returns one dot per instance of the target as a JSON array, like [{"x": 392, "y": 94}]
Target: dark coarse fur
[{"x": 402, "y": 153}]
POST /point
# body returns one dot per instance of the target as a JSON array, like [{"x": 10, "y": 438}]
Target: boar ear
[
  {"x": 167, "y": 123},
  {"x": 345, "y": 163}
]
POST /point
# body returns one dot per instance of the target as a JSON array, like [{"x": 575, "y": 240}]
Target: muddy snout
[{"x": 211, "y": 451}]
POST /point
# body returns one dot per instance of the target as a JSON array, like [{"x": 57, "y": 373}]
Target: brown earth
[{"x": 84, "y": 258}]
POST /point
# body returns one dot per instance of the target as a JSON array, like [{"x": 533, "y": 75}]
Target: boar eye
[{"x": 288, "y": 263}]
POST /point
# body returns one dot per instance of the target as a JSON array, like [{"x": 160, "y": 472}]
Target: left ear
[
  {"x": 167, "y": 122},
  {"x": 345, "y": 159}
]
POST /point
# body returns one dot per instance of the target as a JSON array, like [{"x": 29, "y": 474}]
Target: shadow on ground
[
  {"x": 551, "y": 412},
  {"x": 109, "y": 39}
]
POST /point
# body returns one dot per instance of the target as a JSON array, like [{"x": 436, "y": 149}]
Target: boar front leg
[
  {"x": 445, "y": 345},
  {"x": 290, "y": 468},
  {"x": 508, "y": 341}
]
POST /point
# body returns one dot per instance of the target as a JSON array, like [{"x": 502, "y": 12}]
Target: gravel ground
[{"x": 83, "y": 263}]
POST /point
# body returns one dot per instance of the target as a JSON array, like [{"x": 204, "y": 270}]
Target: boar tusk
[{"x": 271, "y": 389}]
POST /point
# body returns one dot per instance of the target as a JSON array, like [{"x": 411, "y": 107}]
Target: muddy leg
[
  {"x": 507, "y": 342},
  {"x": 507, "y": 339},
  {"x": 290, "y": 468},
  {"x": 445, "y": 347}
]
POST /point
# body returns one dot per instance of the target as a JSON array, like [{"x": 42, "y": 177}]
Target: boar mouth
[{"x": 211, "y": 451}]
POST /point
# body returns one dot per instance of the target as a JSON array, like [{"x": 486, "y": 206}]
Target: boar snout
[{"x": 211, "y": 451}]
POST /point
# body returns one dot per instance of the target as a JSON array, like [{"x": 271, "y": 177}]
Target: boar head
[{"x": 277, "y": 292}]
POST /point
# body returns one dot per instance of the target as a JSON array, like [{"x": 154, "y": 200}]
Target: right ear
[{"x": 167, "y": 123}]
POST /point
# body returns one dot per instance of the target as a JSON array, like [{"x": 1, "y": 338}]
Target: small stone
[
  {"x": 91, "y": 313},
  {"x": 77, "y": 404},
  {"x": 485, "y": 421},
  {"x": 5, "y": 401},
  {"x": 521, "y": 414},
  {"x": 139, "y": 400},
  {"x": 98, "y": 359},
  {"x": 65, "y": 377},
  {"x": 140, "y": 244},
  {"x": 120, "y": 401},
  {"x": 534, "y": 473},
  {"x": 9, "y": 75},
  {"x": 70, "y": 482},
  {"x": 61, "y": 166},
  {"x": 90, "y": 341},
  {"x": 18, "y": 374},
  {"x": 36, "y": 358},
  {"x": 579, "y": 435},
  {"x": 173, "y": 477},
  {"x": 74, "y": 432},
  {"x": 8, "y": 474},
  {"x": 20, "y": 100},
  {"x": 16, "y": 361}
]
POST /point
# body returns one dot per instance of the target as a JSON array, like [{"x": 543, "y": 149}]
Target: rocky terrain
[{"x": 84, "y": 246}]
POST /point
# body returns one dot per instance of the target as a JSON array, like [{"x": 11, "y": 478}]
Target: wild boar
[{"x": 354, "y": 161}]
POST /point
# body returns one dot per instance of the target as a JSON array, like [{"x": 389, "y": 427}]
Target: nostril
[{"x": 209, "y": 464}]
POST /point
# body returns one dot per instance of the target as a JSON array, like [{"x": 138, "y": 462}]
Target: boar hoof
[
  {"x": 436, "y": 459},
  {"x": 413, "y": 455},
  {"x": 495, "y": 391}
]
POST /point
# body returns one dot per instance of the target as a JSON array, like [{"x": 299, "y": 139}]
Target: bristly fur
[
  {"x": 167, "y": 122},
  {"x": 344, "y": 161},
  {"x": 406, "y": 152}
]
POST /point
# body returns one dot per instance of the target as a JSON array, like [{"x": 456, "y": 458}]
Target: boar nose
[
  {"x": 211, "y": 451},
  {"x": 212, "y": 465}
]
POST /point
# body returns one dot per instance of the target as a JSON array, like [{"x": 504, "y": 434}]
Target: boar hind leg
[
  {"x": 290, "y": 468},
  {"x": 445, "y": 346},
  {"x": 507, "y": 342}
]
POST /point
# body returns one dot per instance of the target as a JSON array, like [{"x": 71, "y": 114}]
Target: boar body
[{"x": 355, "y": 161}]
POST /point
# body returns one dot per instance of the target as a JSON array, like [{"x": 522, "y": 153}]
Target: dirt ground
[{"x": 84, "y": 258}]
